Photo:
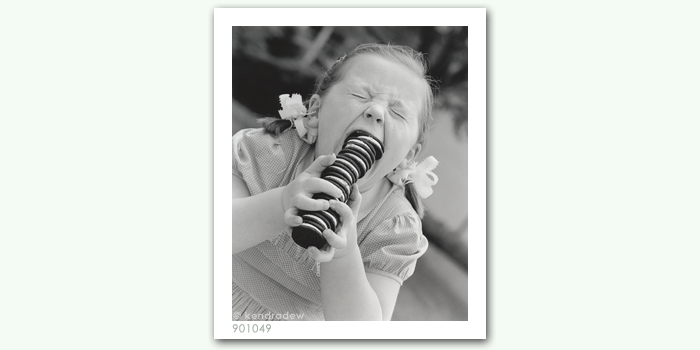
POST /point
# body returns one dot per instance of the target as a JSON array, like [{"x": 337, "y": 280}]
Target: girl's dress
[{"x": 277, "y": 277}]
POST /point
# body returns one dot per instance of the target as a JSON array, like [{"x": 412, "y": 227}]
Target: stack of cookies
[{"x": 359, "y": 153}]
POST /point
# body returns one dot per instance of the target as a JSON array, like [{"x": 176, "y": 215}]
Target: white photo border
[{"x": 475, "y": 19}]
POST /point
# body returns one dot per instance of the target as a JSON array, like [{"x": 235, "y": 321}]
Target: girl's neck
[{"x": 372, "y": 196}]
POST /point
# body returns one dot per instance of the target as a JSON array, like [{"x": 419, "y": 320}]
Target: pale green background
[{"x": 106, "y": 183}]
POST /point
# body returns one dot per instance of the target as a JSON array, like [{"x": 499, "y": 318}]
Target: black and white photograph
[{"x": 349, "y": 173}]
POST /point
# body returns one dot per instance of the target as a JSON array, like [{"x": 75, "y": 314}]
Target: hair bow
[
  {"x": 420, "y": 174},
  {"x": 293, "y": 109}
]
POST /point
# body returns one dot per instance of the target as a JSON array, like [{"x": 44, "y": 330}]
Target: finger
[
  {"x": 334, "y": 240},
  {"x": 316, "y": 168},
  {"x": 307, "y": 203},
  {"x": 355, "y": 199},
  {"x": 321, "y": 255},
  {"x": 346, "y": 214},
  {"x": 316, "y": 185},
  {"x": 291, "y": 218}
]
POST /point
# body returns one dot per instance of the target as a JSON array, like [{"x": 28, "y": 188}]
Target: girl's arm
[
  {"x": 256, "y": 218},
  {"x": 263, "y": 216},
  {"x": 348, "y": 293},
  {"x": 387, "y": 291}
]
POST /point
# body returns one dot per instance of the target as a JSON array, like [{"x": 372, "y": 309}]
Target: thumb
[{"x": 317, "y": 167}]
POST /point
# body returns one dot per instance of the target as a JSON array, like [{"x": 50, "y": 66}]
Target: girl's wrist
[{"x": 352, "y": 251}]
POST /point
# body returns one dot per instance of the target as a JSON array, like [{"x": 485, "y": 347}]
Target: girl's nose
[{"x": 375, "y": 113}]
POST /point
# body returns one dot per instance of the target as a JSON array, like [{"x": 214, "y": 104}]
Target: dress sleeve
[
  {"x": 238, "y": 156},
  {"x": 392, "y": 248},
  {"x": 264, "y": 161},
  {"x": 243, "y": 147}
]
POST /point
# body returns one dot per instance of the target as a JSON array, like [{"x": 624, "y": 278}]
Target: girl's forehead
[
  {"x": 379, "y": 75},
  {"x": 374, "y": 87}
]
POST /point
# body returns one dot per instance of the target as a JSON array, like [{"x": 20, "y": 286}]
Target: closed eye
[
  {"x": 399, "y": 114},
  {"x": 360, "y": 96}
]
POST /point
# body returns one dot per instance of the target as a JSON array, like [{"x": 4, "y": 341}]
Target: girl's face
[{"x": 379, "y": 96}]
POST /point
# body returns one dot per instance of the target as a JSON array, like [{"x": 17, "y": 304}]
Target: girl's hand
[
  {"x": 345, "y": 241},
  {"x": 297, "y": 194}
]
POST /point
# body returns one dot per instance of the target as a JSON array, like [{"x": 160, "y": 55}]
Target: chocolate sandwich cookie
[
  {"x": 365, "y": 147},
  {"x": 327, "y": 224},
  {"x": 308, "y": 220},
  {"x": 347, "y": 166},
  {"x": 364, "y": 153},
  {"x": 320, "y": 224},
  {"x": 338, "y": 171},
  {"x": 306, "y": 235},
  {"x": 338, "y": 175},
  {"x": 342, "y": 185},
  {"x": 331, "y": 218},
  {"x": 355, "y": 159},
  {"x": 369, "y": 139}
]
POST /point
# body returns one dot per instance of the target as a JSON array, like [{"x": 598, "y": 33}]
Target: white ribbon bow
[
  {"x": 421, "y": 174},
  {"x": 293, "y": 109}
]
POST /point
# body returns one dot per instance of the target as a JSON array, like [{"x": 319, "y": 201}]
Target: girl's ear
[
  {"x": 413, "y": 153},
  {"x": 314, "y": 103}
]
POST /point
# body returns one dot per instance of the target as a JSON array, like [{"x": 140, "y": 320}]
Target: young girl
[{"x": 380, "y": 89}]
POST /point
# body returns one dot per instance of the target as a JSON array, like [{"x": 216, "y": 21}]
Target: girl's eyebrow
[{"x": 393, "y": 99}]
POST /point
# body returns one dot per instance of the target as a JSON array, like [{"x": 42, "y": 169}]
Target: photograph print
[{"x": 349, "y": 156}]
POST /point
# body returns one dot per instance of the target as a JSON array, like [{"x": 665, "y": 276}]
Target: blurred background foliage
[{"x": 270, "y": 61}]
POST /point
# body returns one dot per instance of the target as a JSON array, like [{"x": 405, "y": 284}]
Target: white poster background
[{"x": 475, "y": 19}]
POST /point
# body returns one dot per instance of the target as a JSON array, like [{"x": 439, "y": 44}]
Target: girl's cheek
[{"x": 391, "y": 129}]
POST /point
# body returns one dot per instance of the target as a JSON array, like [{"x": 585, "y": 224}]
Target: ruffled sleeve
[
  {"x": 392, "y": 248},
  {"x": 265, "y": 161}
]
